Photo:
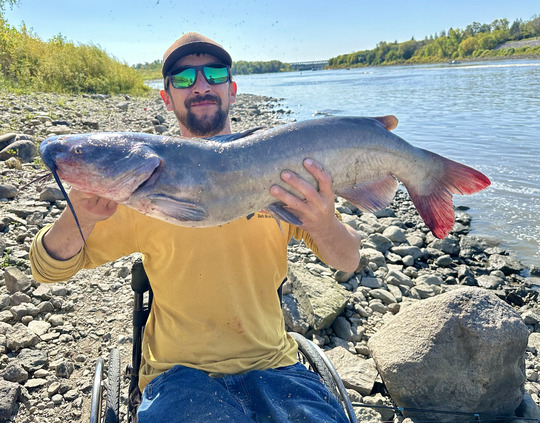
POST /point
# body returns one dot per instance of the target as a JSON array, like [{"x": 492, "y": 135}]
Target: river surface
[{"x": 485, "y": 114}]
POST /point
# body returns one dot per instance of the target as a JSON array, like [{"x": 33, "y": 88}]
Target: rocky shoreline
[{"x": 51, "y": 335}]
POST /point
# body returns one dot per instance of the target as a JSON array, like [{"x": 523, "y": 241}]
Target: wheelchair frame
[{"x": 309, "y": 354}]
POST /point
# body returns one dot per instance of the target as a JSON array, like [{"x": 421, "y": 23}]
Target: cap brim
[{"x": 193, "y": 48}]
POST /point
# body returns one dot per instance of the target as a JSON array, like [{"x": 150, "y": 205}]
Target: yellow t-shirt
[{"x": 215, "y": 305}]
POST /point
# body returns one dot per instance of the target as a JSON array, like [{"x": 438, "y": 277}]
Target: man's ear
[
  {"x": 167, "y": 100},
  {"x": 233, "y": 88}
]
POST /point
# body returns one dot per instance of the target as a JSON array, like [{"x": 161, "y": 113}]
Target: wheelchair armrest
[{"x": 139, "y": 280}]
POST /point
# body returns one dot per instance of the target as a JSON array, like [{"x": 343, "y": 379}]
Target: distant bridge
[{"x": 314, "y": 65}]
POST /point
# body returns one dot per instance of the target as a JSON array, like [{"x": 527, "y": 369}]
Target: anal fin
[{"x": 372, "y": 195}]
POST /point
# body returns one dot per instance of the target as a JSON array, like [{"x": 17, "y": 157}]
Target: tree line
[
  {"x": 241, "y": 67},
  {"x": 475, "y": 41}
]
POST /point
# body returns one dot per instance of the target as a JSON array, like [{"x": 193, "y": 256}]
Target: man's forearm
[
  {"x": 339, "y": 246},
  {"x": 63, "y": 240}
]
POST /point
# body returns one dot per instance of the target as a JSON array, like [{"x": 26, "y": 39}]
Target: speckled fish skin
[{"x": 201, "y": 183}]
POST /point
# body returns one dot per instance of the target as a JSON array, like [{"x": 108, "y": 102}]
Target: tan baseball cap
[{"x": 191, "y": 43}]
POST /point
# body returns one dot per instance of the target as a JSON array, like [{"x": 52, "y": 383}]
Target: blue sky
[{"x": 138, "y": 31}]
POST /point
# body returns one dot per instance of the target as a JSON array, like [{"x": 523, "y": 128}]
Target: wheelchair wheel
[
  {"x": 95, "y": 408},
  {"x": 112, "y": 409},
  {"x": 316, "y": 360}
]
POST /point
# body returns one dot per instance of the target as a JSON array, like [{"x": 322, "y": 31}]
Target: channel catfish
[{"x": 208, "y": 182}]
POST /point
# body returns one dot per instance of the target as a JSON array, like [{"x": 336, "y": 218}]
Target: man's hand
[
  {"x": 90, "y": 208},
  {"x": 317, "y": 210},
  {"x": 338, "y": 244},
  {"x": 63, "y": 240}
]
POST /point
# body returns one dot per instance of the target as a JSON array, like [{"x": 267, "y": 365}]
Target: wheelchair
[{"x": 109, "y": 379}]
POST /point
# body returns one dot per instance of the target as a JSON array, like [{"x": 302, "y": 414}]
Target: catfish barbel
[{"x": 207, "y": 182}]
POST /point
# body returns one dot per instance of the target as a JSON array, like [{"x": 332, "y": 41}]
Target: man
[{"x": 215, "y": 346}]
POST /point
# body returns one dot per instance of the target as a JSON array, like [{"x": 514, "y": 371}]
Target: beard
[{"x": 206, "y": 125}]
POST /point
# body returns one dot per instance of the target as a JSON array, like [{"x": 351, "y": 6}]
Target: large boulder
[
  {"x": 462, "y": 351},
  {"x": 9, "y": 393},
  {"x": 25, "y": 150},
  {"x": 16, "y": 280},
  {"x": 355, "y": 372},
  {"x": 314, "y": 301}
]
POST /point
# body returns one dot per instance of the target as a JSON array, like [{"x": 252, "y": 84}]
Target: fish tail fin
[{"x": 436, "y": 207}]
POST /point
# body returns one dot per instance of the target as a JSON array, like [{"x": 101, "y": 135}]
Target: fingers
[
  {"x": 286, "y": 197},
  {"x": 314, "y": 205},
  {"x": 309, "y": 192},
  {"x": 90, "y": 207},
  {"x": 100, "y": 206},
  {"x": 76, "y": 195},
  {"x": 322, "y": 176}
]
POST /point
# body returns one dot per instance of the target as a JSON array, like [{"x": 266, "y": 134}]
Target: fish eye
[{"x": 77, "y": 150}]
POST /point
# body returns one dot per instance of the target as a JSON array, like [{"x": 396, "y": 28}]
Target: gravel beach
[{"x": 52, "y": 335}]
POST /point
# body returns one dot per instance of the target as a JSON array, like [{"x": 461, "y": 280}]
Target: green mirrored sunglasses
[{"x": 185, "y": 77}]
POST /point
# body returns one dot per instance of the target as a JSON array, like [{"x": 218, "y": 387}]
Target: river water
[{"x": 485, "y": 115}]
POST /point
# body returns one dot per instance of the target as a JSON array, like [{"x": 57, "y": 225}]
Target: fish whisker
[
  {"x": 41, "y": 178},
  {"x": 66, "y": 197}
]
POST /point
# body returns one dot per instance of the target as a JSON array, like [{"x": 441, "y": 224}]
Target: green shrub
[{"x": 29, "y": 64}]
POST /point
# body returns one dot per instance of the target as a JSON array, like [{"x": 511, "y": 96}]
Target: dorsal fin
[
  {"x": 235, "y": 136},
  {"x": 390, "y": 122}
]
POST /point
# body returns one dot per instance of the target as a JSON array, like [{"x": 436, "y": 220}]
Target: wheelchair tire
[
  {"x": 112, "y": 408},
  {"x": 315, "y": 360},
  {"x": 97, "y": 389}
]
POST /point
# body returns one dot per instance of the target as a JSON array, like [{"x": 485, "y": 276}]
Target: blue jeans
[{"x": 285, "y": 394}]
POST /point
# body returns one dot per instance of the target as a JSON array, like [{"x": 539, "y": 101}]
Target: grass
[{"x": 29, "y": 64}]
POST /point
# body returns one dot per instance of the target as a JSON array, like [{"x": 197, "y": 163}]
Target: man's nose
[{"x": 201, "y": 84}]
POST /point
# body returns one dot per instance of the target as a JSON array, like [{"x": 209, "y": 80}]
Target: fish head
[{"x": 112, "y": 165}]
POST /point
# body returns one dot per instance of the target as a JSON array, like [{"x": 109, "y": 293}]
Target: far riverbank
[{"x": 448, "y": 61}]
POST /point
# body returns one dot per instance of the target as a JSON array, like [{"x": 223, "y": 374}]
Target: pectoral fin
[
  {"x": 277, "y": 210},
  {"x": 372, "y": 195},
  {"x": 179, "y": 208}
]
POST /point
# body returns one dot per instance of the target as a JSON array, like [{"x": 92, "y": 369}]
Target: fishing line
[{"x": 474, "y": 417}]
